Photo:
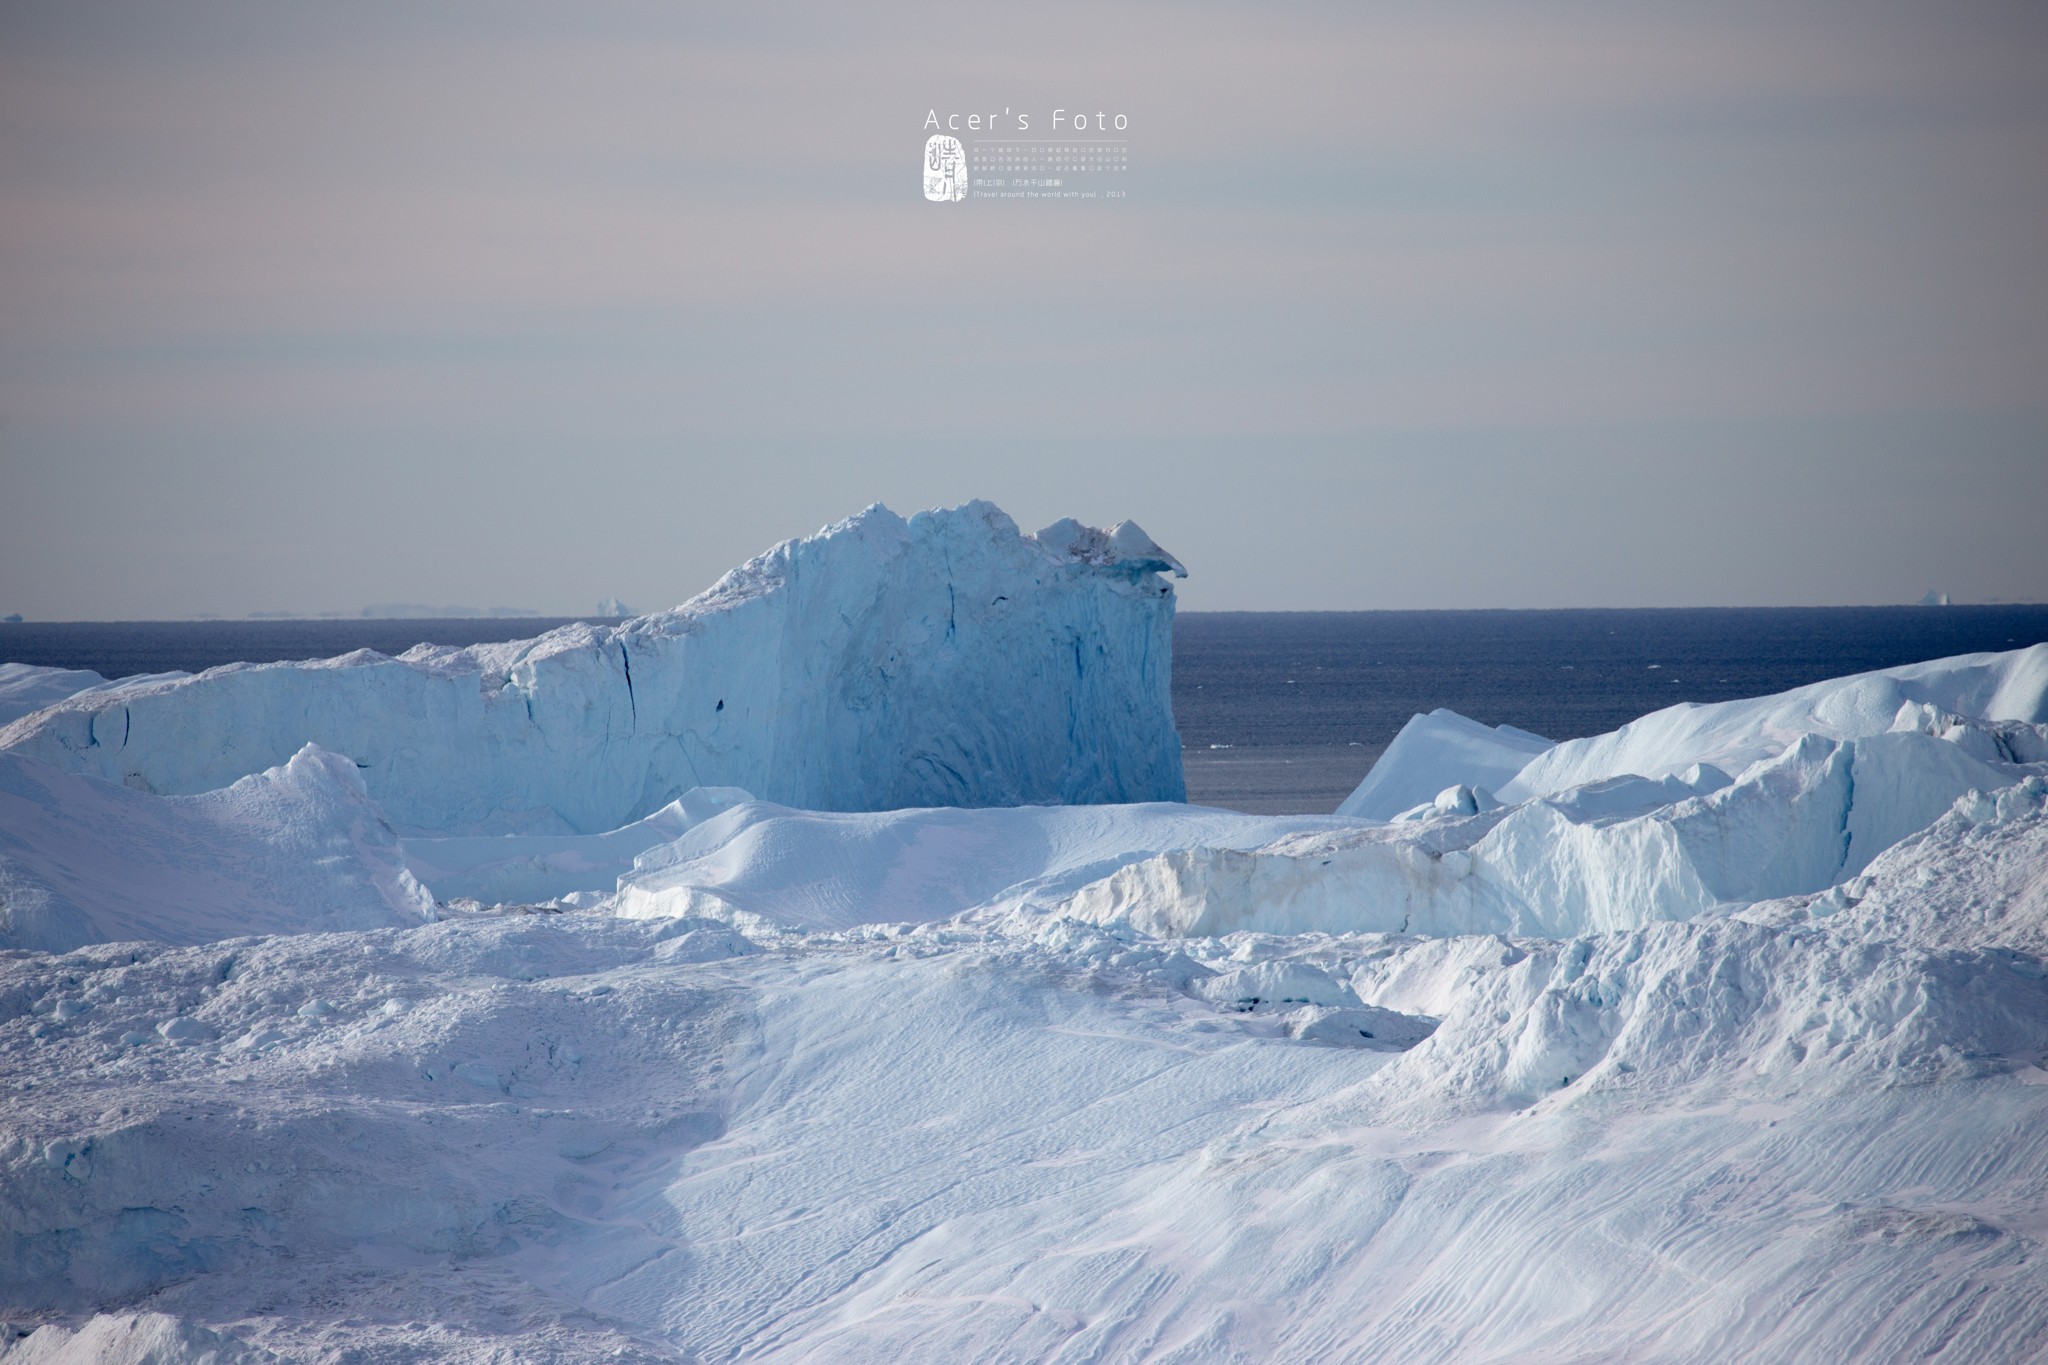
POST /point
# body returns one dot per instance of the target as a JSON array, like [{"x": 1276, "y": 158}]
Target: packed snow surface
[
  {"x": 947, "y": 660},
  {"x": 1722, "y": 1037}
]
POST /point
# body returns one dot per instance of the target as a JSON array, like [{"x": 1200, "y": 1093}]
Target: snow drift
[
  {"x": 1442, "y": 749},
  {"x": 764, "y": 865},
  {"x": 295, "y": 849},
  {"x": 947, "y": 660}
]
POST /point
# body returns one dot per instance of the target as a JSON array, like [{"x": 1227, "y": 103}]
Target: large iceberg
[
  {"x": 946, "y": 660},
  {"x": 1989, "y": 703},
  {"x": 1620, "y": 830}
]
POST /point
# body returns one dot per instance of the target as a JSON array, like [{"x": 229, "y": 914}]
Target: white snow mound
[
  {"x": 295, "y": 849},
  {"x": 1440, "y": 750}
]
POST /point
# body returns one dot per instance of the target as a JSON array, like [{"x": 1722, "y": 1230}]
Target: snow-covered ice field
[{"x": 506, "y": 1039}]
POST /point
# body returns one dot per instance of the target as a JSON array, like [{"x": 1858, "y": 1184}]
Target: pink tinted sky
[{"x": 1471, "y": 305}]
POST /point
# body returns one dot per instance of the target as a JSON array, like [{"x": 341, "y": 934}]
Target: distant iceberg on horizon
[{"x": 421, "y": 611}]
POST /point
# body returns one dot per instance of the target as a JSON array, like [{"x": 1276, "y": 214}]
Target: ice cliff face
[
  {"x": 946, "y": 660},
  {"x": 24, "y": 688}
]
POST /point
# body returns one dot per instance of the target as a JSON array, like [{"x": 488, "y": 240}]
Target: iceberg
[
  {"x": 946, "y": 660},
  {"x": 1882, "y": 757},
  {"x": 1811, "y": 818},
  {"x": 2000, "y": 697},
  {"x": 1995, "y": 704}
]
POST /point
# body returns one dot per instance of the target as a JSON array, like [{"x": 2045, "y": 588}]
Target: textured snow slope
[
  {"x": 1818, "y": 1132},
  {"x": 292, "y": 850},
  {"x": 946, "y": 660}
]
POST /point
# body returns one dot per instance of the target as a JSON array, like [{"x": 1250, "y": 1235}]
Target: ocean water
[{"x": 1284, "y": 711}]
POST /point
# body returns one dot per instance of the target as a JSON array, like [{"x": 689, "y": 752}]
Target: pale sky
[{"x": 309, "y": 307}]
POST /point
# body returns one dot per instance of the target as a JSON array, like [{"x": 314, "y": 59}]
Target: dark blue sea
[{"x": 1285, "y": 711}]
